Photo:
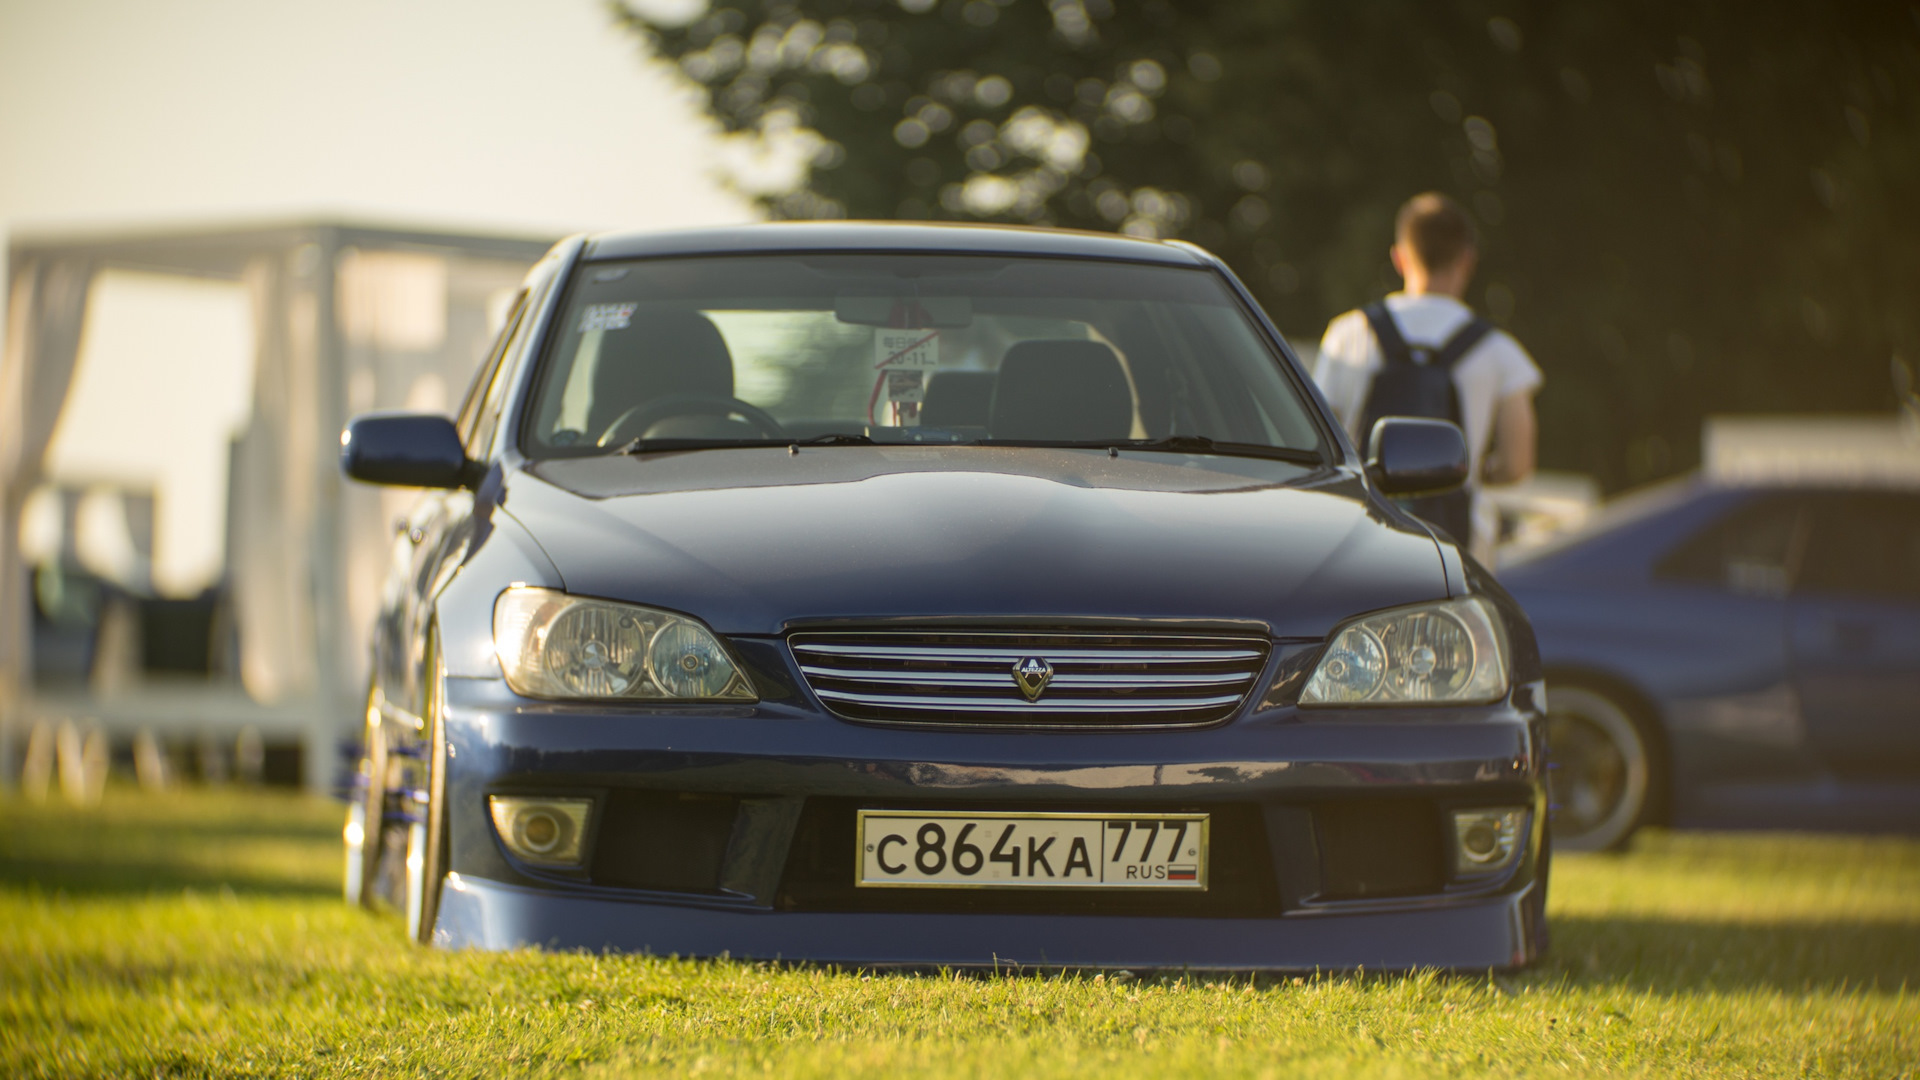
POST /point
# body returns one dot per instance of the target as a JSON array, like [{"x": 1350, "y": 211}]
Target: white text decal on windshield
[{"x": 606, "y": 317}]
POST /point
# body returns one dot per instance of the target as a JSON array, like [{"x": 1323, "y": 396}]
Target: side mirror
[
  {"x": 405, "y": 450},
  {"x": 1411, "y": 456}
]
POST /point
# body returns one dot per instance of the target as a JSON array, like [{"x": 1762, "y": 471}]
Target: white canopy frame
[{"x": 346, "y": 317}]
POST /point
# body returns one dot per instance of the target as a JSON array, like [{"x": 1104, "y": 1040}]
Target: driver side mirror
[
  {"x": 405, "y": 450},
  {"x": 1411, "y": 456}
]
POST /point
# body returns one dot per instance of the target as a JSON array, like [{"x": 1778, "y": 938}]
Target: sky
[{"x": 530, "y": 117}]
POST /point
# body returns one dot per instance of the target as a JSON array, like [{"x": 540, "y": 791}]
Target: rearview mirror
[
  {"x": 1411, "y": 456},
  {"x": 905, "y": 312},
  {"x": 405, "y": 450}
]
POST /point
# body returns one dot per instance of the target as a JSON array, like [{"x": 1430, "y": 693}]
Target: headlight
[
  {"x": 552, "y": 645},
  {"x": 1451, "y": 652}
]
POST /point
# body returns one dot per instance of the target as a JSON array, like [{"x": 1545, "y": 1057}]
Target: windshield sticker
[
  {"x": 905, "y": 386},
  {"x": 606, "y": 317},
  {"x": 894, "y": 349}
]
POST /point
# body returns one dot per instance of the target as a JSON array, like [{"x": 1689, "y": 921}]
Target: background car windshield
[{"x": 905, "y": 348}]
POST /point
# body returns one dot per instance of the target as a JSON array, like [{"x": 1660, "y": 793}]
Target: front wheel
[
  {"x": 427, "y": 831},
  {"x": 366, "y": 812},
  {"x": 1603, "y": 770}
]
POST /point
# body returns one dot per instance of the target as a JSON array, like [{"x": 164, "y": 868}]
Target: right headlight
[
  {"x": 1450, "y": 652},
  {"x": 552, "y": 645}
]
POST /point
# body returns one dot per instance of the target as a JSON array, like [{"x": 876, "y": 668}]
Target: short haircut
[{"x": 1436, "y": 229}]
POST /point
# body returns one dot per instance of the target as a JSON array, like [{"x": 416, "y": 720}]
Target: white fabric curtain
[
  {"x": 276, "y": 472},
  {"x": 46, "y": 309}
]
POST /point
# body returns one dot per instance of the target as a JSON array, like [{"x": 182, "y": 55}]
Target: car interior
[
  {"x": 1044, "y": 390},
  {"x": 764, "y": 351}
]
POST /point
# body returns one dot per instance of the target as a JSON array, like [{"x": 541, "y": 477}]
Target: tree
[{"x": 1687, "y": 207}]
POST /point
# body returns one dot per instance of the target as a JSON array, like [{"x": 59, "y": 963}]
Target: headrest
[
  {"x": 957, "y": 399},
  {"x": 659, "y": 354},
  {"x": 1069, "y": 390}
]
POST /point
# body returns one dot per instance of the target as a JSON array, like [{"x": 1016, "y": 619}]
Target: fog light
[
  {"x": 541, "y": 832},
  {"x": 1485, "y": 840}
]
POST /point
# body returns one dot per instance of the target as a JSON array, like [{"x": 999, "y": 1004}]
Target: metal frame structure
[{"x": 304, "y": 562}]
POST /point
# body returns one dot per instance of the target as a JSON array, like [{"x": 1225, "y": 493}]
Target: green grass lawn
[{"x": 201, "y": 934}]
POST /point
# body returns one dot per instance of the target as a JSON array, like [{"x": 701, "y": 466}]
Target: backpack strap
[
  {"x": 1393, "y": 347},
  {"x": 1462, "y": 342}
]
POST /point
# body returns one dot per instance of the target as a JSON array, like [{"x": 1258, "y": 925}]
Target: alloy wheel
[{"x": 1600, "y": 770}]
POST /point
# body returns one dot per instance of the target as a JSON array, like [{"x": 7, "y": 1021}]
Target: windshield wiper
[
  {"x": 648, "y": 446},
  {"x": 834, "y": 438},
  {"x": 1178, "y": 444},
  {"x": 1201, "y": 444}
]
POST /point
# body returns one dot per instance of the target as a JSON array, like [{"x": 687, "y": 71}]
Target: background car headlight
[
  {"x": 1451, "y": 652},
  {"x": 553, "y": 645}
]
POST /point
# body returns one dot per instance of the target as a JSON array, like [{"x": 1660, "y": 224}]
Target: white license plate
[{"x": 921, "y": 849}]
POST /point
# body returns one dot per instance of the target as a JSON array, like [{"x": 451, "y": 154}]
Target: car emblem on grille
[{"x": 1032, "y": 675}]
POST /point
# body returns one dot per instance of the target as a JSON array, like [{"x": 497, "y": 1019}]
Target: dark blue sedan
[
  {"x": 1733, "y": 655},
  {"x": 935, "y": 596}
]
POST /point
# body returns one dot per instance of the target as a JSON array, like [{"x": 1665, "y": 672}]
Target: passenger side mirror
[
  {"x": 405, "y": 450},
  {"x": 1410, "y": 456}
]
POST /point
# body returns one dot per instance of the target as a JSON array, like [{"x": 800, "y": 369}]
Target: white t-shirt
[{"x": 1495, "y": 369}]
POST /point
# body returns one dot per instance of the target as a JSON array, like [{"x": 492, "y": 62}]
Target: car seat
[
  {"x": 660, "y": 355},
  {"x": 1068, "y": 390},
  {"x": 958, "y": 399}
]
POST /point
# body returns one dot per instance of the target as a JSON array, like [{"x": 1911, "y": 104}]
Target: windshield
[{"x": 677, "y": 353}]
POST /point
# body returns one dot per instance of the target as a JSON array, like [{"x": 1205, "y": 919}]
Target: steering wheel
[{"x": 637, "y": 420}]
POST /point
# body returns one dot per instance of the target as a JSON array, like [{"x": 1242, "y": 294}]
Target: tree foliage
[{"x": 1687, "y": 207}]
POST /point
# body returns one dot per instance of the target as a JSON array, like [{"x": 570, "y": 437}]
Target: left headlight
[
  {"x": 553, "y": 645},
  {"x": 1452, "y": 652}
]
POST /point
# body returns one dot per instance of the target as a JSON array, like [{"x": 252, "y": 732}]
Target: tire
[
  {"x": 366, "y": 813},
  {"x": 1604, "y": 769},
  {"x": 427, "y": 840}
]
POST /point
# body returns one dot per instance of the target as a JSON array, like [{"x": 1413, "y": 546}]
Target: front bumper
[
  {"x": 1495, "y": 932},
  {"x": 781, "y": 768}
]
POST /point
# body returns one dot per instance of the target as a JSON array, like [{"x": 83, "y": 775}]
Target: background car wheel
[
  {"x": 366, "y": 812},
  {"x": 426, "y": 836},
  {"x": 1603, "y": 770}
]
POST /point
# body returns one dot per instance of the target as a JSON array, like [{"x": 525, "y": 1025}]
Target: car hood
[{"x": 761, "y": 540}]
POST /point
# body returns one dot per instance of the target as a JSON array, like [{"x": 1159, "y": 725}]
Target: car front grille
[{"x": 1096, "y": 679}]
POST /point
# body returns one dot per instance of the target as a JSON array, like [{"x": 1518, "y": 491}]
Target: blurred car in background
[{"x": 1739, "y": 647}]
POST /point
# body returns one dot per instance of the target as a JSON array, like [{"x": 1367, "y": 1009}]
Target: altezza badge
[{"x": 1032, "y": 675}]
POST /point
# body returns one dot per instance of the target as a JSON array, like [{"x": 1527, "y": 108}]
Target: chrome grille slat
[
  {"x": 1120, "y": 679},
  {"x": 1065, "y": 655},
  {"x": 1022, "y": 705},
  {"x": 998, "y": 679}
]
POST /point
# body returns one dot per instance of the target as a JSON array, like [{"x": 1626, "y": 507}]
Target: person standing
[{"x": 1423, "y": 352}]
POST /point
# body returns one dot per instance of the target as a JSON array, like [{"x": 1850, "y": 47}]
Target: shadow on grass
[
  {"x": 1667, "y": 955},
  {"x": 127, "y": 878},
  {"x": 136, "y": 844}
]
